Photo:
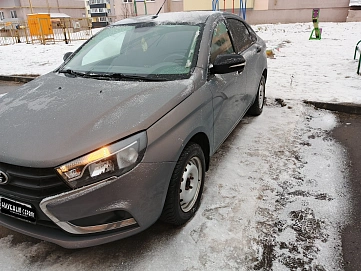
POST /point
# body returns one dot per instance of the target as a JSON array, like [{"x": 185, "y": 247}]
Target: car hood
[{"x": 56, "y": 118}]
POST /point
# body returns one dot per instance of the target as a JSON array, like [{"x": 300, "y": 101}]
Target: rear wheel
[
  {"x": 257, "y": 107},
  {"x": 186, "y": 186}
]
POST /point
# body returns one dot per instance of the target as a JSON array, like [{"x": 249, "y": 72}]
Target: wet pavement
[
  {"x": 6, "y": 86},
  {"x": 348, "y": 134}
]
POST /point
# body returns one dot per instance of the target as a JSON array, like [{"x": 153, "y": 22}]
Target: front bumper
[{"x": 139, "y": 193}]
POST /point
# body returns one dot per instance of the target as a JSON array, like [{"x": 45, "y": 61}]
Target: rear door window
[{"x": 240, "y": 34}]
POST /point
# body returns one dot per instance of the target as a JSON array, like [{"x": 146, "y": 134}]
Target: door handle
[{"x": 258, "y": 49}]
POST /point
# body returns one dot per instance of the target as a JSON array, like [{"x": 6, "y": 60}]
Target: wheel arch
[
  {"x": 202, "y": 140},
  {"x": 264, "y": 73}
]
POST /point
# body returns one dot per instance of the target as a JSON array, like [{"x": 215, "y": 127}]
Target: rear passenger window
[
  {"x": 221, "y": 42},
  {"x": 240, "y": 34}
]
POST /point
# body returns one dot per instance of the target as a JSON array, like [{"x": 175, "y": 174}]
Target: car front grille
[{"x": 33, "y": 184}]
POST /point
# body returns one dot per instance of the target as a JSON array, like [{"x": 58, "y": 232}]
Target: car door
[
  {"x": 245, "y": 45},
  {"x": 228, "y": 89}
]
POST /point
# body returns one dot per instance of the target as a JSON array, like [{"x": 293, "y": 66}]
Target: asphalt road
[
  {"x": 6, "y": 86},
  {"x": 348, "y": 134}
]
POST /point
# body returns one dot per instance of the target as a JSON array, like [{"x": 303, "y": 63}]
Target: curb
[
  {"x": 348, "y": 108},
  {"x": 23, "y": 79}
]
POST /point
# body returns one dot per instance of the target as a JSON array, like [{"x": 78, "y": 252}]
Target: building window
[
  {"x": 131, "y": 1},
  {"x": 2, "y": 17},
  {"x": 93, "y": 2},
  {"x": 99, "y": 10},
  {"x": 13, "y": 14}
]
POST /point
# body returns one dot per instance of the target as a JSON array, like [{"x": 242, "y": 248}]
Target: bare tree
[{"x": 127, "y": 10}]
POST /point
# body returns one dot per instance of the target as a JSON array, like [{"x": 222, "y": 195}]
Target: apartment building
[
  {"x": 257, "y": 11},
  {"x": 17, "y": 10},
  {"x": 101, "y": 12},
  {"x": 279, "y": 11},
  {"x": 293, "y": 11}
]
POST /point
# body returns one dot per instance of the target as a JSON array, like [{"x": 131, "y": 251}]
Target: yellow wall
[{"x": 207, "y": 4}]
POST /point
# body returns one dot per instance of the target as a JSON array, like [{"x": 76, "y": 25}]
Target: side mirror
[
  {"x": 66, "y": 56},
  {"x": 228, "y": 63}
]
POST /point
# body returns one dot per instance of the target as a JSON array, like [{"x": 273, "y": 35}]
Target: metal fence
[{"x": 43, "y": 31}]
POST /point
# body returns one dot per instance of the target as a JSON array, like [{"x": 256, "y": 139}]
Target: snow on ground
[
  {"x": 276, "y": 195},
  {"x": 33, "y": 59},
  {"x": 318, "y": 70}
]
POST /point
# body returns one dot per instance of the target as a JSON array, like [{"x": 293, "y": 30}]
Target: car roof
[{"x": 192, "y": 17}]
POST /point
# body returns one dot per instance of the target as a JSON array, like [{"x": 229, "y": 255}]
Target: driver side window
[{"x": 221, "y": 42}]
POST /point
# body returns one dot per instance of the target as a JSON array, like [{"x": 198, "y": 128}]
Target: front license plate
[{"x": 17, "y": 209}]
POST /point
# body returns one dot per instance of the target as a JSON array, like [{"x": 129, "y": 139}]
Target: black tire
[
  {"x": 185, "y": 191},
  {"x": 257, "y": 107}
]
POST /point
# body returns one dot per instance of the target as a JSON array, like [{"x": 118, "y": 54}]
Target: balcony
[
  {"x": 98, "y": 6},
  {"x": 103, "y": 14}
]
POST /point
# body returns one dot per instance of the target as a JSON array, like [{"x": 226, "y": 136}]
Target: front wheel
[
  {"x": 186, "y": 186},
  {"x": 257, "y": 107}
]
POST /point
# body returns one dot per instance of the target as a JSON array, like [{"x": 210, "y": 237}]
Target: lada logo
[{"x": 3, "y": 178}]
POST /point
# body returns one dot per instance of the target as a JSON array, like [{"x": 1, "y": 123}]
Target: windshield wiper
[
  {"x": 110, "y": 76},
  {"x": 119, "y": 76},
  {"x": 72, "y": 72}
]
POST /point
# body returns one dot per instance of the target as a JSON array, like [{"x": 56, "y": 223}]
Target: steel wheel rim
[
  {"x": 261, "y": 94},
  {"x": 190, "y": 184}
]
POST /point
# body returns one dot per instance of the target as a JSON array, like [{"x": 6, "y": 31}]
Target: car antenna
[{"x": 156, "y": 15}]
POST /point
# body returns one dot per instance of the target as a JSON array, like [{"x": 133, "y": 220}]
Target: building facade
[
  {"x": 103, "y": 12},
  {"x": 257, "y": 11},
  {"x": 17, "y": 10},
  {"x": 124, "y": 8},
  {"x": 293, "y": 11},
  {"x": 279, "y": 11}
]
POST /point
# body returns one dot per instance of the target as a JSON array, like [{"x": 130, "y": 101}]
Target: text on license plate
[{"x": 17, "y": 209}]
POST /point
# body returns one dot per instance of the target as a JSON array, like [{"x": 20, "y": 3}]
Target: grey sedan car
[{"x": 121, "y": 134}]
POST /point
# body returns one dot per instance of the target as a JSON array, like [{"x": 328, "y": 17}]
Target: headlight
[{"x": 112, "y": 160}]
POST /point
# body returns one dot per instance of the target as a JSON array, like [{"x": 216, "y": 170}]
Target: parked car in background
[{"x": 121, "y": 134}]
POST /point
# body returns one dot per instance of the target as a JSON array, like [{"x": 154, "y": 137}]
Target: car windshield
[{"x": 138, "y": 51}]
